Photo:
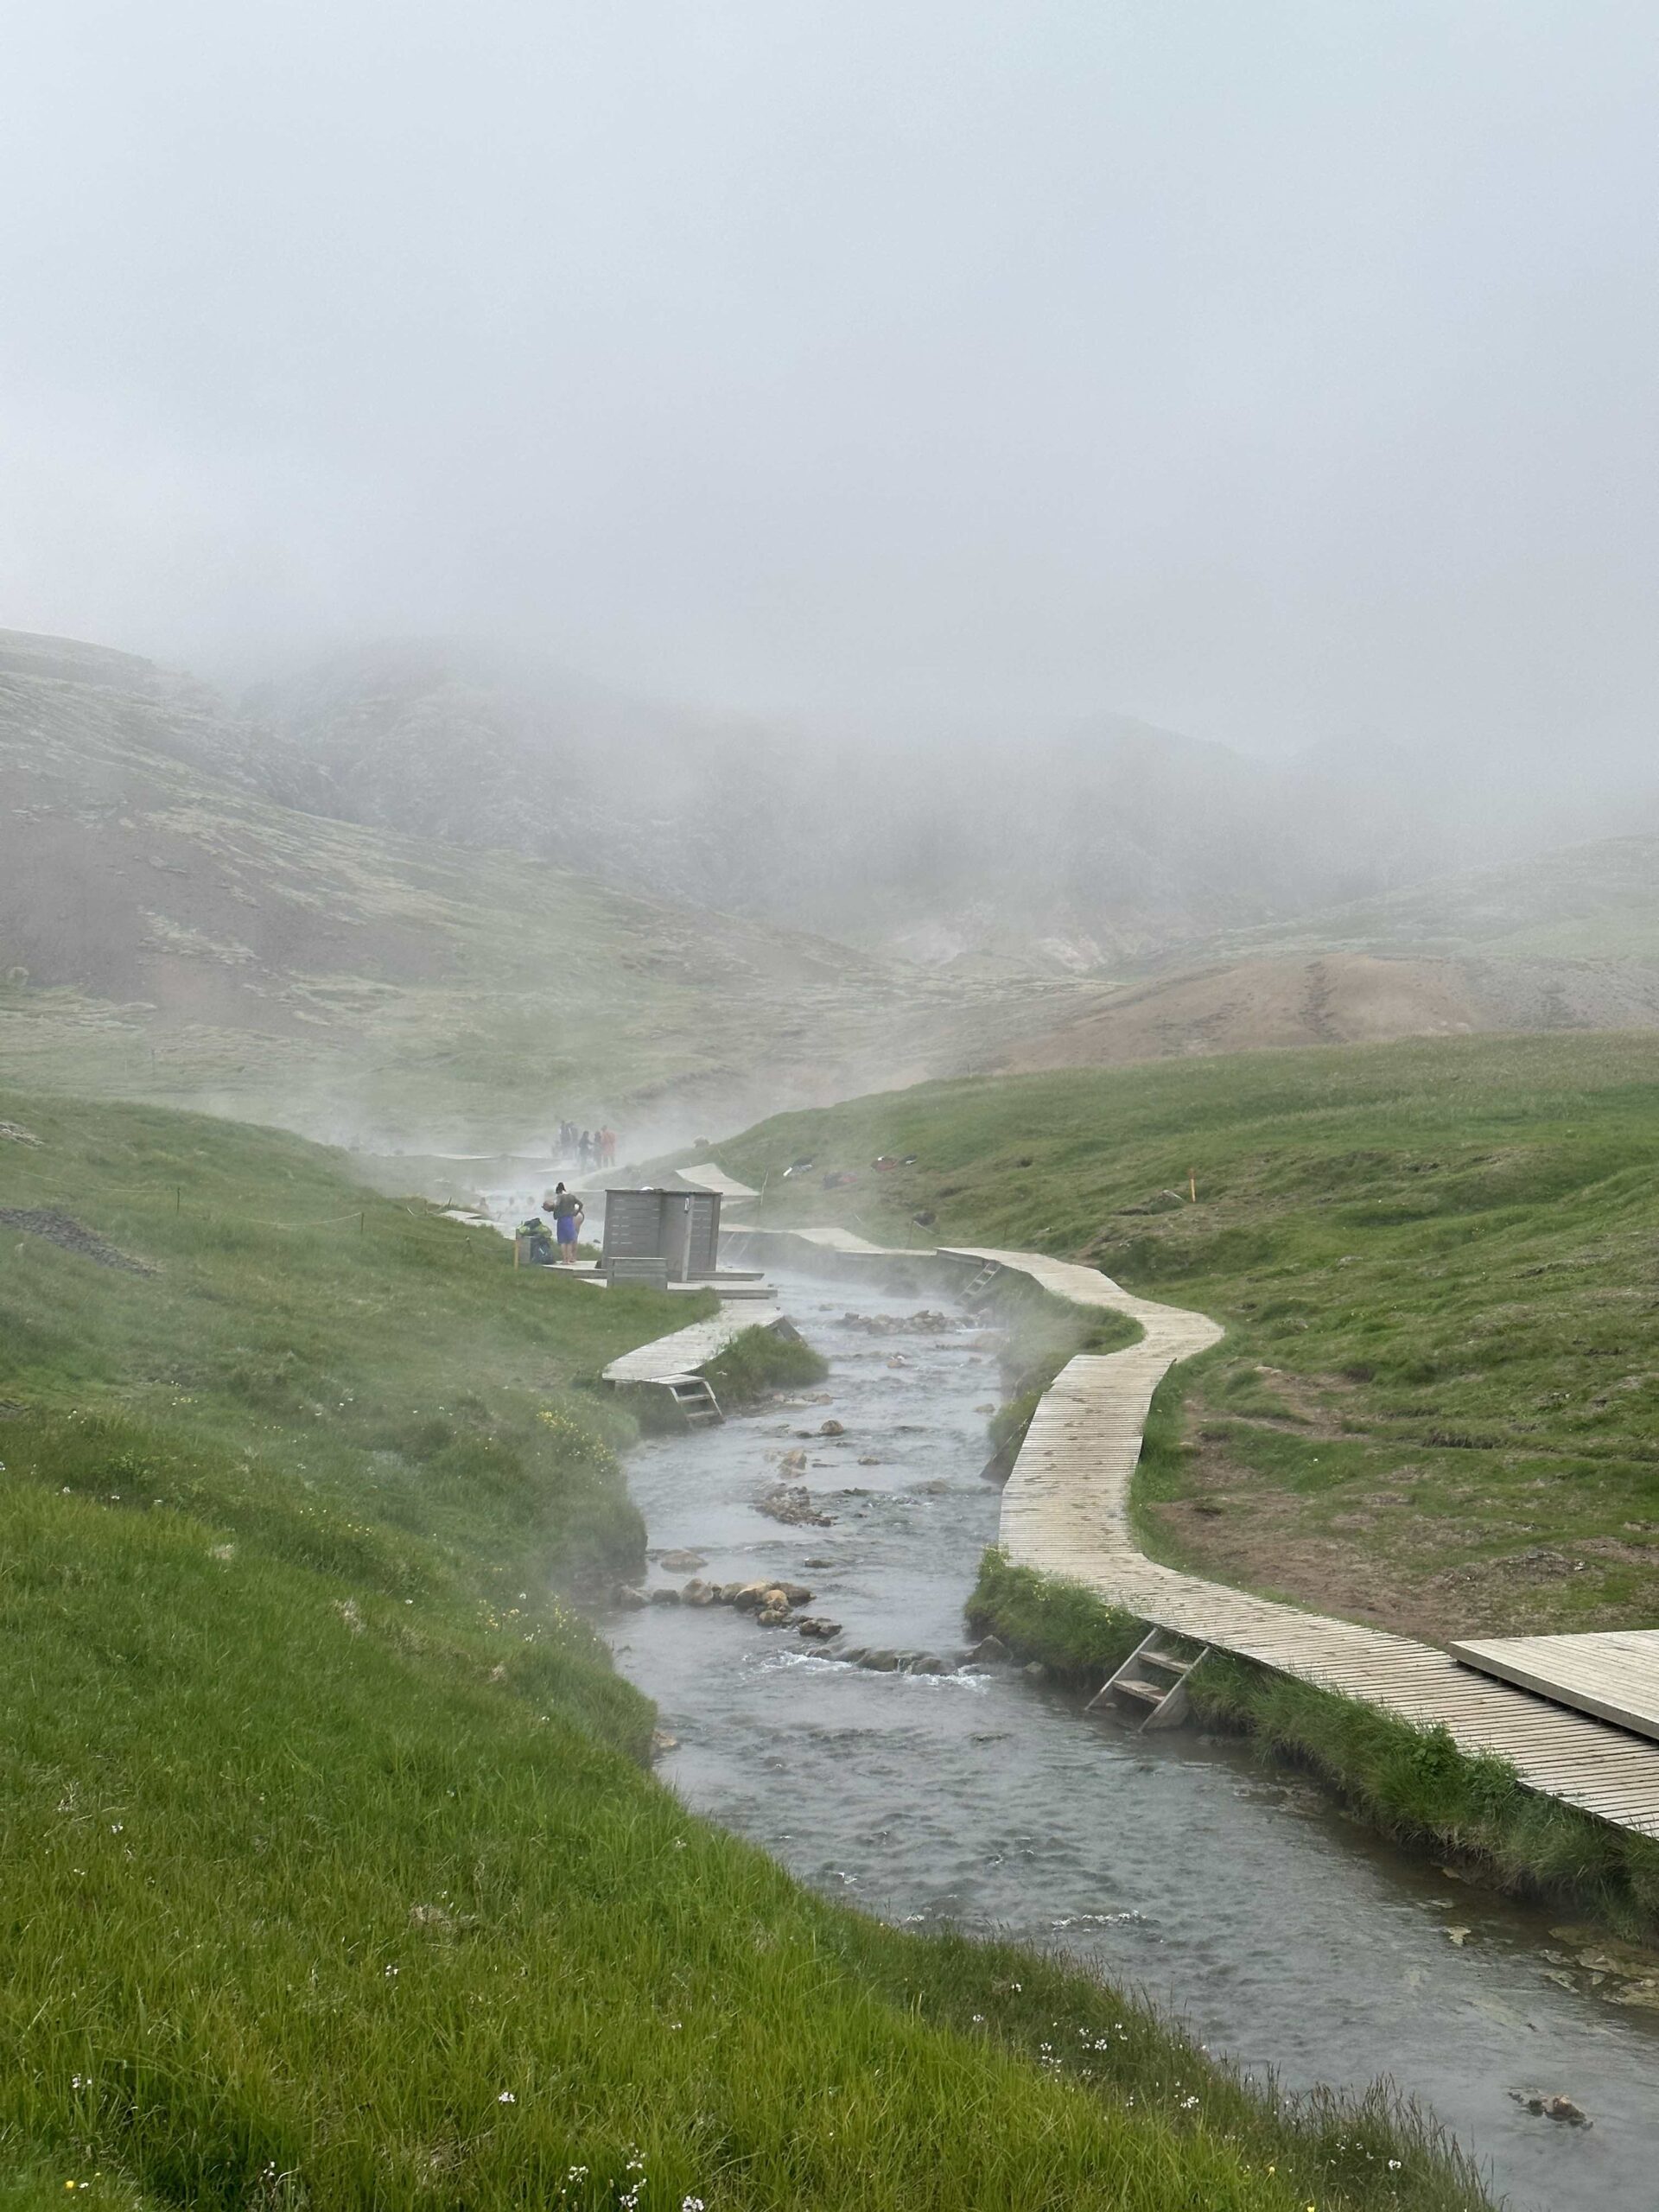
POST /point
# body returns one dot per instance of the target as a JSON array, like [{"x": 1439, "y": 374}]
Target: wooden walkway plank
[
  {"x": 1613, "y": 1674},
  {"x": 672, "y": 1358}
]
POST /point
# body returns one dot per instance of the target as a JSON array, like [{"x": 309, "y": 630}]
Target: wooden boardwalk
[
  {"x": 1613, "y": 1674},
  {"x": 1065, "y": 1511},
  {"x": 672, "y": 1359}
]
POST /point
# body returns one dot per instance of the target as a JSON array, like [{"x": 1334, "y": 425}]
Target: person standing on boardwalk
[{"x": 566, "y": 1208}]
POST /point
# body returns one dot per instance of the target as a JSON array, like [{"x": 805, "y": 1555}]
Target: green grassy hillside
[
  {"x": 1436, "y": 1407},
  {"x": 332, "y": 1874}
]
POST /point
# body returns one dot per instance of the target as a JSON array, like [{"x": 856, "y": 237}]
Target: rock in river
[
  {"x": 793, "y": 1506},
  {"x": 1557, "y": 2107}
]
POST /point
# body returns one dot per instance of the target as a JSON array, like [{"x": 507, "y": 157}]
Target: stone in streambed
[
  {"x": 793, "y": 1506},
  {"x": 1552, "y": 2107}
]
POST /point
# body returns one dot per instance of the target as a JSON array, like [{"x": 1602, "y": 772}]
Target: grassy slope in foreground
[
  {"x": 331, "y": 1874},
  {"x": 1435, "y": 1408}
]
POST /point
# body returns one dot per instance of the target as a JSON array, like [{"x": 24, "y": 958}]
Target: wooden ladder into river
[
  {"x": 695, "y": 1396},
  {"x": 1150, "y": 1686}
]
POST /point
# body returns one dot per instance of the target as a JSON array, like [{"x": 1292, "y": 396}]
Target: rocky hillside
[{"x": 167, "y": 930}]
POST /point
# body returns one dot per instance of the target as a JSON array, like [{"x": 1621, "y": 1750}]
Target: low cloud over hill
[
  {"x": 1070, "y": 851},
  {"x": 401, "y": 899},
  {"x": 168, "y": 931}
]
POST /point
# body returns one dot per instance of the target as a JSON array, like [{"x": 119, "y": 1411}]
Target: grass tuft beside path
[{"x": 332, "y": 1876}]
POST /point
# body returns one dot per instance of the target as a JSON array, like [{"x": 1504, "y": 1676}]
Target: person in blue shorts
[{"x": 566, "y": 1208}]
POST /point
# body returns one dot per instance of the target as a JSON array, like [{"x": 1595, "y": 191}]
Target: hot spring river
[{"x": 1279, "y": 1932}]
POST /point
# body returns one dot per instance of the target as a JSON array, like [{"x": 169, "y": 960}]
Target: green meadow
[
  {"x": 1436, "y": 1406},
  {"x": 333, "y": 1872}
]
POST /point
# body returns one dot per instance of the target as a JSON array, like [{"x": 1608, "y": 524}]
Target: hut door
[{"x": 676, "y": 1238}]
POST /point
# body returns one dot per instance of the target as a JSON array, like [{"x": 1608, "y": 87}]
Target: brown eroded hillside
[{"x": 1345, "y": 998}]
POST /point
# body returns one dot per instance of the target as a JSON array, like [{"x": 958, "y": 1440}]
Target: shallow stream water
[{"x": 1280, "y": 1933}]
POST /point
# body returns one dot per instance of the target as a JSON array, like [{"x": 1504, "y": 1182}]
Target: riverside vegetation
[
  {"x": 332, "y": 1873},
  {"x": 1435, "y": 1406}
]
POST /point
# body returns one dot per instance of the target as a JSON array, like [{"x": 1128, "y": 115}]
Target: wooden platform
[
  {"x": 672, "y": 1358},
  {"x": 1065, "y": 1511},
  {"x": 1614, "y": 1675}
]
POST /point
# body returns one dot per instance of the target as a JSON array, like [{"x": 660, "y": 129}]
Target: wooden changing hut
[{"x": 661, "y": 1235}]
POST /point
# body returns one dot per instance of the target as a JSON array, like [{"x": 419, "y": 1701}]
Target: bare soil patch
[
  {"x": 1376, "y": 1560},
  {"x": 71, "y": 1236}
]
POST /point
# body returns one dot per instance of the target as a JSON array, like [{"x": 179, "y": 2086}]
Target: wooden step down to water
[
  {"x": 672, "y": 1363},
  {"x": 695, "y": 1396},
  {"x": 1150, "y": 1687}
]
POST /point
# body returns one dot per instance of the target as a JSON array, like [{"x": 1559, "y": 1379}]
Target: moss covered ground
[
  {"x": 760, "y": 1361},
  {"x": 333, "y": 1875}
]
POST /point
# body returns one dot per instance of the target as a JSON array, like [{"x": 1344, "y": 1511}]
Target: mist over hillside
[
  {"x": 403, "y": 900},
  {"x": 1090, "y": 848},
  {"x": 1080, "y": 849},
  {"x": 169, "y": 930}
]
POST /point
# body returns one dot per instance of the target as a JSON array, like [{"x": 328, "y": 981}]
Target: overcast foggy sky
[{"x": 1271, "y": 371}]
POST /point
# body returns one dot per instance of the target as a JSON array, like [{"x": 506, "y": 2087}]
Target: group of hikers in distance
[{"x": 587, "y": 1148}]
